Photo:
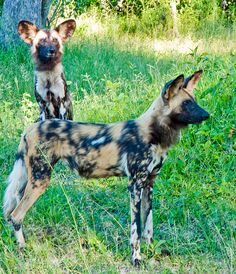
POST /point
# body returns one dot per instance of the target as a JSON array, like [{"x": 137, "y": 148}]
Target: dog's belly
[
  {"x": 96, "y": 169},
  {"x": 103, "y": 173}
]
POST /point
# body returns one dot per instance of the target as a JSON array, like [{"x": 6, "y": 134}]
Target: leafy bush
[
  {"x": 155, "y": 17},
  {"x": 1, "y": 6}
]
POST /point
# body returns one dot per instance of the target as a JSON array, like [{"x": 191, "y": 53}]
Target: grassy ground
[{"x": 81, "y": 226}]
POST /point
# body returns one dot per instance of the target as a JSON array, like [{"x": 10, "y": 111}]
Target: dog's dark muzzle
[
  {"x": 192, "y": 113},
  {"x": 46, "y": 53}
]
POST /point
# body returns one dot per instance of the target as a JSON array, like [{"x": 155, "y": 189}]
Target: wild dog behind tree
[
  {"x": 135, "y": 148},
  {"x": 50, "y": 86}
]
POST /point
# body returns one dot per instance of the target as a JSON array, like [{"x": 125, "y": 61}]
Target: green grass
[{"x": 82, "y": 226}]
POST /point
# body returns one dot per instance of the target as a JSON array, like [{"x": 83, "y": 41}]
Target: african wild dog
[
  {"x": 50, "y": 86},
  {"x": 134, "y": 148}
]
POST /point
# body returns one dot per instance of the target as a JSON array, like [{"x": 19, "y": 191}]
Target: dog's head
[
  {"x": 179, "y": 102},
  {"x": 46, "y": 45}
]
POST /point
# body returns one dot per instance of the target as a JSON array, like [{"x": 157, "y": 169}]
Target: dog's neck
[
  {"x": 157, "y": 125},
  {"x": 47, "y": 66},
  {"x": 51, "y": 80},
  {"x": 56, "y": 72}
]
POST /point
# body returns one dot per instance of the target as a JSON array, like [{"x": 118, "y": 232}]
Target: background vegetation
[
  {"x": 155, "y": 17},
  {"x": 115, "y": 72}
]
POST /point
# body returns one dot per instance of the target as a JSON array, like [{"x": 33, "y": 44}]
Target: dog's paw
[{"x": 136, "y": 262}]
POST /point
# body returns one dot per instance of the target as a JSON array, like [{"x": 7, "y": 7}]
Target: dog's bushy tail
[{"x": 16, "y": 181}]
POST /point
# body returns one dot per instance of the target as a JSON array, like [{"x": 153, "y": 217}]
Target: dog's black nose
[
  {"x": 51, "y": 50},
  {"x": 205, "y": 115}
]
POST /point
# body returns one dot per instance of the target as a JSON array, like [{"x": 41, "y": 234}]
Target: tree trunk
[
  {"x": 46, "y": 4},
  {"x": 16, "y": 10},
  {"x": 106, "y": 6},
  {"x": 120, "y": 5},
  {"x": 224, "y": 5},
  {"x": 174, "y": 16}
]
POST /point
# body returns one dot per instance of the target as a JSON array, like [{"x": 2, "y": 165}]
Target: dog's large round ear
[
  {"x": 191, "y": 82},
  {"x": 172, "y": 88},
  {"x": 66, "y": 29},
  {"x": 27, "y": 31}
]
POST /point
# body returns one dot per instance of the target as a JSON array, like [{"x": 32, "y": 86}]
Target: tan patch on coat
[
  {"x": 115, "y": 130},
  {"x": 106, "y": 157},
  {"x": 88, "y": 130},
  {"x": 65, "y": 149}
]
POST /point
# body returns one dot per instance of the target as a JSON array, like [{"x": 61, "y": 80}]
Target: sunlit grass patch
[{"x": 214, "y": 40}]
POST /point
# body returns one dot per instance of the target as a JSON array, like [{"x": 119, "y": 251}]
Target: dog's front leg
[
  {"x": 135, "y": 204},
  {"x": 42, "y": 106},
  {"x": 42, "y": 116},
  {"x": 147, "y": 213},
  {"x": 62, "y": 111}
]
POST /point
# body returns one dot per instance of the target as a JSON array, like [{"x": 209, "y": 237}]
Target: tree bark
[
  {"x": 174, "y": 16},
  {"x": 46, "y": 4},
  {"x": 16, "y": 10},
  {"x": 120, "y": 5},
  {"x": 106, "y": 6}
]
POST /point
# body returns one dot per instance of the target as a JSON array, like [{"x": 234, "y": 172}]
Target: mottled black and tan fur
[
  {"x": 50, "y": 86},
  {"x": 135, "y": 148}
]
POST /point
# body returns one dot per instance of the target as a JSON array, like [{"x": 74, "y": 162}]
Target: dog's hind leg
[
  {"x": 16, "y": 184},
  {"x": 31, "y": 194}
]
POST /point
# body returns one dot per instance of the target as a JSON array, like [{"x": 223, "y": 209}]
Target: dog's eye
[
  {"x": 185, "y": 103},
  {"x": 43, "y": 40},
  {"x": 54, "y": 40}
]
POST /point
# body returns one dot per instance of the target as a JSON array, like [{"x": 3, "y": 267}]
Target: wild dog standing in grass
[
  {"x": 135, "y": 148},
  {"x": 50, "y": 86}
]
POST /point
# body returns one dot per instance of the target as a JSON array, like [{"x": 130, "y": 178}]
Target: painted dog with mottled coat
[
  {"x": 51, "y": 90},
  {"x": 135, "y": 148}
]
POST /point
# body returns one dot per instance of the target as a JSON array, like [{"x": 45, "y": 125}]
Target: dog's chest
[
  {"x": 158, "y": 156},
  {"x": 50, "y": 83}
]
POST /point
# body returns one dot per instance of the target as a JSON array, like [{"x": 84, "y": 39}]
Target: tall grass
[{"x": 82, "y": 226}]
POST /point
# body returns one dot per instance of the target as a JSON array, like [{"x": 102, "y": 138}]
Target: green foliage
[
  {"x": 1, "y": 6},
  {"x": 150, "y": 17},
  {"x": 63, "y": 9},
  {"x": 198, "y": 15},
  {"x": 230, "y": 11},
  {"x": 82, "y": 226},
  {"x": 155, "y": 18}
]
